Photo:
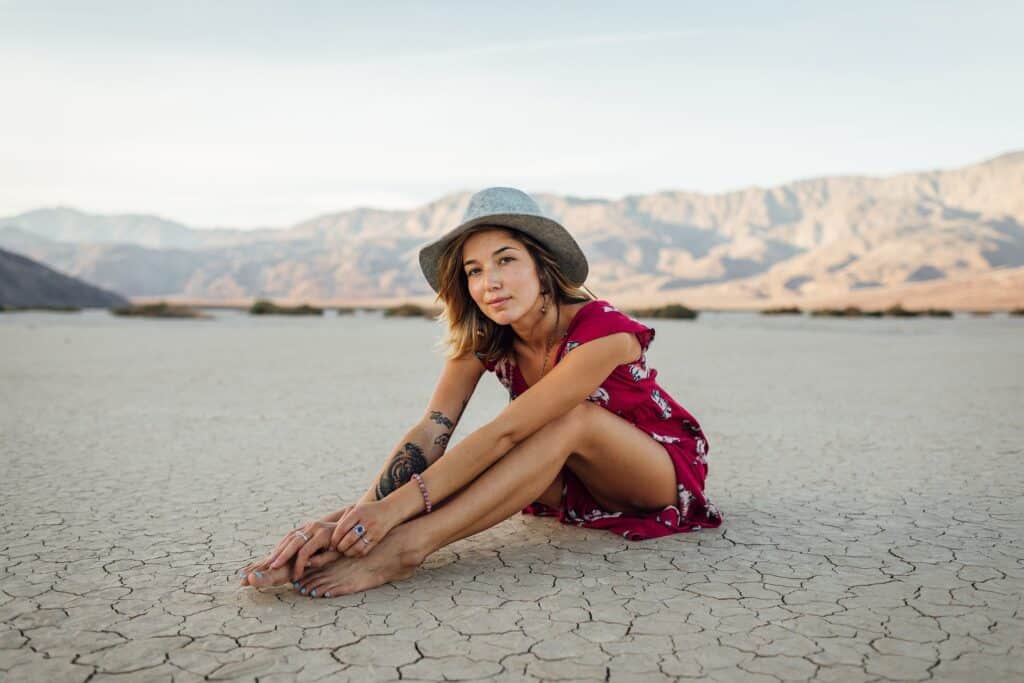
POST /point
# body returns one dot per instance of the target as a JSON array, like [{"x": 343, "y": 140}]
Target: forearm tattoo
[
  {"x": 438, "y": 417},
  {"x": 442, "y": 440},
  {"x": 403, "y": 465}
]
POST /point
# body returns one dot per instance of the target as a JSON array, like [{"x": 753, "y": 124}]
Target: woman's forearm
[
  {"x": 463, "y": 463},
  {"x": 420, "y": 447}
]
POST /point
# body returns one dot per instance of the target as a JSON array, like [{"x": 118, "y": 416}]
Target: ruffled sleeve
[{"x": 600, "y": 319}]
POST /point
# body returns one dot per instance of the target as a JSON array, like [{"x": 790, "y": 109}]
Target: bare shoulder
[{"x": 466, "y": 365}]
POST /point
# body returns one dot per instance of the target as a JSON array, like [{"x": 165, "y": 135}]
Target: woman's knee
[{"x": 574, "y": 425}]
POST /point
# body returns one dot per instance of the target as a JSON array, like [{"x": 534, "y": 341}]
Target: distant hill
[
  {"x": 822, "y": 239},
  {"x": 25, "y": 283}
]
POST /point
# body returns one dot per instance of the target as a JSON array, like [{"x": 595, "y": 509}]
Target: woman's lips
[{"x": 498, "y": 303}]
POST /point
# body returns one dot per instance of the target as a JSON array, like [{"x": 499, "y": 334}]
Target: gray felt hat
[{"x": 507, "y": 207}]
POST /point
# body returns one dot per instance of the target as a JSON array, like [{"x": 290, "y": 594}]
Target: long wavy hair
[{"x": 469, "y": 330}]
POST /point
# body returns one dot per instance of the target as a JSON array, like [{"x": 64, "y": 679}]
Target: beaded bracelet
[{"x": 423, "y": 490}]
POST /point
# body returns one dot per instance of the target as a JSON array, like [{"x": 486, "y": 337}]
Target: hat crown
[{"x": 500, "y": 200}]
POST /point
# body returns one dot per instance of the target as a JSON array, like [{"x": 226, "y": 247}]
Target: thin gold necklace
[{"x": 551, "y": 345}]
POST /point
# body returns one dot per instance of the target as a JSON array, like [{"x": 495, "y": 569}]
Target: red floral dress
[{"x": 632, "y": 392}]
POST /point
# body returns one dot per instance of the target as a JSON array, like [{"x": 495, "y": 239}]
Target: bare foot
[
  {"x": 396, "y": 558},
  {"x": 260, "y": 575}
]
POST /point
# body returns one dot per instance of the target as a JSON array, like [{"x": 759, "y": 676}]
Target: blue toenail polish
[
  {"x": 303, "y": 591},
  {"x": 327, "y": 594},
  {"x": 312, "y": 593},
  {"x": 295, "y": 584},
  {"x": 259, "y": 575}
]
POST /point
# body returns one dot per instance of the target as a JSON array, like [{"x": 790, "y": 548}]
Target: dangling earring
[{"x": 544, "y": 306}]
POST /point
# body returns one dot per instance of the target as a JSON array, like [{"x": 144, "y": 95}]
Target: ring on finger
[
  {"x": 359, "y": 529},
  {"x": 302, "y": 534},
  {"x": 365, "y": 540}
]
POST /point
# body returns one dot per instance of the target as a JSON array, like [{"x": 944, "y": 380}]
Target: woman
[{"x": 588, "y": 434}]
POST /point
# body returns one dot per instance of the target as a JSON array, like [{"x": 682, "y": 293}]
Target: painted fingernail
[
  {"x": 312, "y": 593},
  {"x": 241, "y": 575},
  {"x": 295, "y": 584},
  {"x": 327, "y": 594},
  {"x": 259, "y": 575},
  {"x": 303, "y": 591}
]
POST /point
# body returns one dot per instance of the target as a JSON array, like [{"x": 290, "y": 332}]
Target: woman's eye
[
  {"x": 471, "y": 273},
  {"x": 503, "y": 259}
]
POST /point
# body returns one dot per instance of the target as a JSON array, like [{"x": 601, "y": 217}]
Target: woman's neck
[{"x": 538, "y": 331}]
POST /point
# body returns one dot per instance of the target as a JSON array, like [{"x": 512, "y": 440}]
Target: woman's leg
[{"x": 622, "y": 466}]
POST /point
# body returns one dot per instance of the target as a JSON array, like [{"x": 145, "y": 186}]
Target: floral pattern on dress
[
  {"x": 685, "y": 499},
  {"x": 639, "y": 370},
  {"x": 663, "y": 406},
  {"x": 702, "y": 451}
]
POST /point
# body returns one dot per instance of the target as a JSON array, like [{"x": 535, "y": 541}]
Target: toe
[
  {"x": 268, "y": 577},
  {"x": 309, "y": 582},
  {"x": 319, "y": 582},
  {"x": 243, "y": 574}
]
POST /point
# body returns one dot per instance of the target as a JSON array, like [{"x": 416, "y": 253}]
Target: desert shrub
[
  {"x": 848, "y": 312},
  {"x": 265, "y": 307},
  {"x": 668, "y": 311},
  {"x": 410, "y": 310},
  {"x": 897, "y": 311},
  {"x": 47, "y": 309},
  {"x": 939, "y": 313},
  {"x": 160, "y": 309}
]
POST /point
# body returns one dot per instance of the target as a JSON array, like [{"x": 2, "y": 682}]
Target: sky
[{"x": 259, "y": 114}]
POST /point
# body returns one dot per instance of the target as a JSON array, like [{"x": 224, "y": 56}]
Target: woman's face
[{"x": 501, "y": 275}]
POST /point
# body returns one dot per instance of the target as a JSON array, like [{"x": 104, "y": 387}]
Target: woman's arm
[
  {"x": 565, "y": 387},
  {"x": 422, "y": 445},
  {"x": 428, "y": 439}
]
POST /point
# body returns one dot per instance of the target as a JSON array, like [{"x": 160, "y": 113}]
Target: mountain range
[
  {"x": 948, "y": 237},
  {"x": 27, "y": 284}
]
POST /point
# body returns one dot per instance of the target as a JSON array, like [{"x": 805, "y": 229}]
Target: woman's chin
[
  {"x": 502, "y": 317},
  {"x": 499, "y": 318}
]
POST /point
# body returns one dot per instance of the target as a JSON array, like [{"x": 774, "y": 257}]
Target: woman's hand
[
  {"x": 362, "y": 527},
  {"x": 305, "y": 541}
]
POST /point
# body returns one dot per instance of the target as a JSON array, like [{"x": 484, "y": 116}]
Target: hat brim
[{"x": 551, "y": 234}]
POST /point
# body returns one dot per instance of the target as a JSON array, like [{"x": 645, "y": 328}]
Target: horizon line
[{"x": 605, "y": 198}]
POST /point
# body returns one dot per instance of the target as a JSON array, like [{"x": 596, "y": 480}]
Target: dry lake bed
[{"x": 871, "y": 474}]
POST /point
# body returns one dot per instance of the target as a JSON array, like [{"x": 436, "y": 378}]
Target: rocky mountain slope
[
  {"x": 25, "y": 283},
  {"x": 823, "y": 239}
]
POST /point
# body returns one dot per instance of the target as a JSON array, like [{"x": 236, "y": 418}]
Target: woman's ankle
[{"x": 414, "y": 546}]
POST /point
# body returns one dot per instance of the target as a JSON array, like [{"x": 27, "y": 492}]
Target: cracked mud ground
[{"x": 870, "y": 473}]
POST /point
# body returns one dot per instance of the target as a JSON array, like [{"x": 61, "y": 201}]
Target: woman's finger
[
  {"x": 337, "y": 534},
  {"x": 347, "y": 521},
  {"x": 280, "y": 547},
  {"x": 361, "y": 546},
  {"x": 323, "y": 558},
  {"x": 289, "y": 539},
  {"x": 289, "y": 550},
  {"x": 348, "y": 539},
  {"x": 318, "y": 541}
]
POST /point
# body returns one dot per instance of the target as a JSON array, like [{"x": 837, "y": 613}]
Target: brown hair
[{"x": 469, "y": 330}]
